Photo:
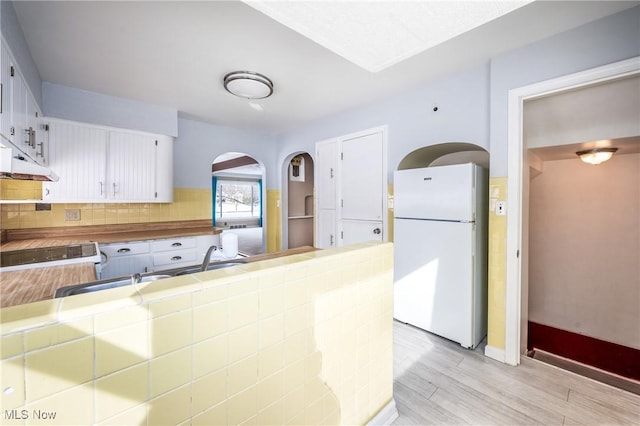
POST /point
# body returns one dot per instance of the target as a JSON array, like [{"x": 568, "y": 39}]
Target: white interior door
[
  {"x": 362, "y": 177},
  {"x": 358, "y": 231},
  {"x": 363, "y": 182}
]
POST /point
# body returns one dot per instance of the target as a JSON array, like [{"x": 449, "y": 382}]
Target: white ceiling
[{"x": 175, "y": 54}]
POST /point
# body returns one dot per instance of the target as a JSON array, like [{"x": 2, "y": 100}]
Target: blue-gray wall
[
  {"x": 611, "y": 39},
  {"x": 80, "y": 105},
  {"x": 463, "y": 116},
  {"x": 198, "y": 144}
]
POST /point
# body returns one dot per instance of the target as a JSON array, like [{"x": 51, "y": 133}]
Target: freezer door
[
  {"x": 433, "y": 277},
  {"x": 443, "y": 193}
]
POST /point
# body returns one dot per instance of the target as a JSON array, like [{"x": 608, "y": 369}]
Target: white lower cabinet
[
  {"x": 126, "y": 259},
  {"x": 174, "y": 253}
]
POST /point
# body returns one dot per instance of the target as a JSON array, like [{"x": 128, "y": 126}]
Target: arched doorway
[
  {"x": 238, "y": 194},
  {"x": 297, "y": 211}
]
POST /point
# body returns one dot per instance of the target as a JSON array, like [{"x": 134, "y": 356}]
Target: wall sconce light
[{"x": 597, "y": 155}]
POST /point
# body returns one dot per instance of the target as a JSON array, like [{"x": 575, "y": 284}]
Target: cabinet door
[
  {"x": 32, "y": 124},
  {"x": 326, "y": 229},
  {"x": 78, "y": 155},
  {"x": 127, "y": 266},
  {"x": 326, "y": 173},
  {"x": 18, "y": 111},
  {"x": 132, "y": 170},
  {"x": 164, "y": 170},
  {"x": 5, "y": 104}
]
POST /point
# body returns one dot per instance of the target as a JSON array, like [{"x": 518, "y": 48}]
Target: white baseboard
[
  {"x": 386, "y": 416},
  {"x": 494, "y": 353}
]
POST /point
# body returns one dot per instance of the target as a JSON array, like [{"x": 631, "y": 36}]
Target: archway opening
[
  {"x": 237, "y": 202},
  {"x": 297, "y": 213}
]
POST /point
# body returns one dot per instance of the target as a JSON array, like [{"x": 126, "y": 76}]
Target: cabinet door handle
[
  {"x": 176, "y": 258},
  {"x": 377, "y": 231},
  {"x": 114, "y": 189},
  {"x": 331, "y": 173},
  {"x": 176, "y": 244},
  {"x": 331, "y": 240},
  {"x": 41, "y": 152},
  {"x": 124, "y": 250},
  {"x": 101, "y": 189}
]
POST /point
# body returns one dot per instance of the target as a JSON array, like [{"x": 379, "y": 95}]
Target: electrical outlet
[
  {"x": 72, "y": 214},
  {"x": 501, "y": 208}
]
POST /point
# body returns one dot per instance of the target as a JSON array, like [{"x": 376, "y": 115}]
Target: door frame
[{"x": 517, "y": 228}]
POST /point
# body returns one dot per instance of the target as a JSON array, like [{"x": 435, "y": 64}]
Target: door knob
[{"x": 377, "y": 231}]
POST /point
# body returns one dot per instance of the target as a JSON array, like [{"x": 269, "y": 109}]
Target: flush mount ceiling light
[
  {"x": 597, "y": 155},
  {"x": 377, "y": 34},
  {"x": 248, "y": 84}
]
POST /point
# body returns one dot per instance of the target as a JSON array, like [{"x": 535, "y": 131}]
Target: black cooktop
[{"x": 46, "y": 254}]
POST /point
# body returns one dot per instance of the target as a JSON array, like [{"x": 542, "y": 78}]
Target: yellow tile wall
[
  {"x": 188, "y": 204},
  {"x": 305, "y": 339},
  {"x": 497, "y": 265},
  {"x": 274, "y": 221},
  {"x": 20, "y": 189}
]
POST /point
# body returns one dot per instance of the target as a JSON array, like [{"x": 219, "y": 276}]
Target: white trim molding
[
  {"x": 386, "y": 416},
  {"x": 516, "y": 98},
  {"x": 494, "y": 353}
]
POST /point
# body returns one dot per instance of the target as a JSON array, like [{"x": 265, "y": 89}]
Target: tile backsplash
[{"x": 188, "y": 204}]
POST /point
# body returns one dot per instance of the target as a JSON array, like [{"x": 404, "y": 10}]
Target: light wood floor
[{"x": 439, "y": 382}]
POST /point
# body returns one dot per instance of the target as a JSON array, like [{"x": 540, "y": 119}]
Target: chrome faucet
[
  {"x": 207, "y": 258},
  {"x": 136, "y": 278}
]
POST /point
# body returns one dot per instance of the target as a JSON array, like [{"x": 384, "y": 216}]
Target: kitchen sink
[
  {"x": 152, "y": 276},
  {"x": 212, "y": 266},
  {"x": 92, "y": 286}
]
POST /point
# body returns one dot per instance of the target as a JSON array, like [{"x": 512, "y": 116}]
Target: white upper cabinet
[
  {"x": 326, "y": 173},
  {"x": 78, "y": 154},
  {"x": 164, "y": 169},
  {"x": 100, "y": 164},
  {"x": 5, "y": 93},
  {"x": 131, "y": 166},
  {"x": 20, "y": 117}
]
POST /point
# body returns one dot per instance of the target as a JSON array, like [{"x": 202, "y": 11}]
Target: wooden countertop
[
  {"x": 32, "y": 285},
  {"x": 18, "y": 239}
]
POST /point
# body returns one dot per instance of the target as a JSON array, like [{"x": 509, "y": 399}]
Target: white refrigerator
[{"x": 440, "y": 258}]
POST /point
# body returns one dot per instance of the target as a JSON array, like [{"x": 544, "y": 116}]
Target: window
[{"x": 237, "y": 199}]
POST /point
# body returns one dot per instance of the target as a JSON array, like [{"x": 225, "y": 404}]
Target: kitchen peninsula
[
  {"x": 31, "y": 285},
  {"x": 305, "y": 338}
]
